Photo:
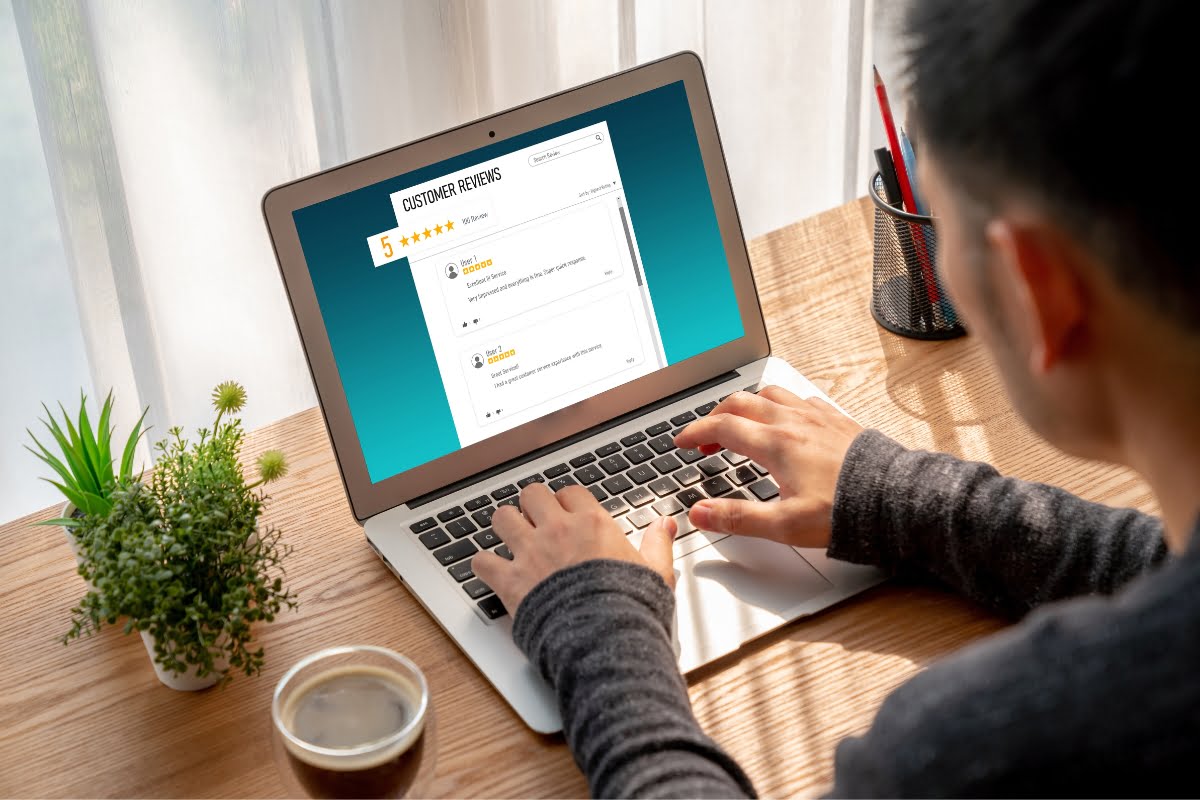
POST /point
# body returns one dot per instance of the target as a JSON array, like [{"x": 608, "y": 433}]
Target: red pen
[{"x": 906, "y": 192}]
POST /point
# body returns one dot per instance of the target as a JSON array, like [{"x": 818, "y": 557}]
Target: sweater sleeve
[
  {"x": 1006, "y": 543},
  {"x": 599, "y": 633}
]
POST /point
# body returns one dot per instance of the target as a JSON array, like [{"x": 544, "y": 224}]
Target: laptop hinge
[{"x": 533, "y": 455}]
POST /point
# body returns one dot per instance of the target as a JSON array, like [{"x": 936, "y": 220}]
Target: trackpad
[{"x": 736, "y": 589}]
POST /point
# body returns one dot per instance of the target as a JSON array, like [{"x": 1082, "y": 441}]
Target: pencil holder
[{"x": 907, "y": 296}]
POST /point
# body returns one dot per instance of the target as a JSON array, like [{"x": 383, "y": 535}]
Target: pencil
[{"x": 906, "y": 192}]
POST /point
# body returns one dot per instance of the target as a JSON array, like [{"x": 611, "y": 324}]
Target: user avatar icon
[
  {"x": 451, "y": 271},
  {"x": 477, "y": 361}
]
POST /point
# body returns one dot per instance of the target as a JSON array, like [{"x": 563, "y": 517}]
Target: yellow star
[
  {"x": 438, "y": 228},
  {"x": 416, "y": 237},
  {"x": 404, "y": 241},
  {"x": 427, "y": 233},
  {"x": 449, "y": 225}
]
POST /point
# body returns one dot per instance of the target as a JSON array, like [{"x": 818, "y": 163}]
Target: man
[{"x": 1059, "y": 177}]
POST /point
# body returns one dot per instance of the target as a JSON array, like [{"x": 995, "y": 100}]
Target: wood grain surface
[{"x": 90, "y": 719}]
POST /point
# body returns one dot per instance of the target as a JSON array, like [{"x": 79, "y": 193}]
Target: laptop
[{"x": 548, "y": 294}]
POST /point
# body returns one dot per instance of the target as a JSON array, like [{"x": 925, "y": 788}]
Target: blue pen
[{"x": 910, "y": 164}]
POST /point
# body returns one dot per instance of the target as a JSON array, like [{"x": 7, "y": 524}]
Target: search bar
[{"x": 573, "y": 146}]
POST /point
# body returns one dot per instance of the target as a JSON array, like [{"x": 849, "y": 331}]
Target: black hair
[{"x": 1080, "y": 107}]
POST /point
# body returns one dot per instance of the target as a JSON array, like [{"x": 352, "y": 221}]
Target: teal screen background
[{"x": 373, "y": 317}]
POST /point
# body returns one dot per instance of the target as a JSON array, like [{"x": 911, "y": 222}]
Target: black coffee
[{"x": 349, "y": 708}]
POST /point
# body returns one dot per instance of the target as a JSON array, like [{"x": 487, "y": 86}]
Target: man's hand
[
  {"x": 556, "y": 530},
  {"x": 802, "y": 442}
]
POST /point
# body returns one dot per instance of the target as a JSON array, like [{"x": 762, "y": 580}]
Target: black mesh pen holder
[{"x": 907, "y": 296}]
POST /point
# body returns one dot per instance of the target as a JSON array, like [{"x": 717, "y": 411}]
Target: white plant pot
[{"x": 187, "y": 681}]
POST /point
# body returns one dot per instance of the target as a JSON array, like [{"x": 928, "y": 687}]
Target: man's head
[{"x": 1053, "y": 154}]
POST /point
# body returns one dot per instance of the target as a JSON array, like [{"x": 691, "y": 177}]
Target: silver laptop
[{"x": 549, "y": 294}]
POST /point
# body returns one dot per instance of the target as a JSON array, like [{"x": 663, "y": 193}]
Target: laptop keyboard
[{"x": 637, "y": 479}]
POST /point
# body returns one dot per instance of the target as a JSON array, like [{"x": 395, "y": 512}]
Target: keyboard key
[
  {"x": 556, "y": 470},
  {"x": 668, "y": 506},
  {"x": 459, "y": 528},
  {"x": 734, "y": 458},
  {"x": 451, "y": 513},
  {"x": 423, "y": 525},
  {"x": 462, "y": 571},
  {"x": 455, "y": 552},
  {"x": 666, "y": 464},
  {"x": 657, "y": 428},
  {"x": 484, "y": 516},
  {"x": 614, "y": 464},
  {"x": 752, "y": 388},
  {"x": 764, "y": 489},
  {"x": 486, "y": 538},
  {"x": 434, "y": 538},
  {"x": 504, "y": 552},
  {"x": 579, "y": 461},
  {"x": 713, "y": 465},
  {"x": 478, "y": 502},
  {"x": 678, "y": 431},
  {"x": 688, "y": 455},
  {"x": 534, "y": 478},
  {"x": 641, "y": 474},
  {"x": 513, "y": 501},
  {"x": 477, "y": 588},
  {"x": 625, "y": 525},
  {"x": 689, "y": 497},
  {"x": 662, "y": 444},
  {"x": 683, "y": 527},
  {"x": 663, "y": 486},
  {"x": 738, "y": 495},
  {"x": 759, "y": 468},
  {"x": 617, "y": 484},
  {"x": 743, "y": 475},
  {"x": 639, "y": 496},
  {"x": 633, "y": 438},
  {"x": 608, "y": 449},
  {"x": 687, "y": 476},
  {"x": 642, "y": 517},
  {"x": 614, "y": 506},
  {"x": 560, "y": 483},
  {"x": 598, "y": 493},
  {"x": 505, "y": 491},
  {"x": 491, "y": 607},
  {"x": 716, "y": 486},
  {"x": 639, "y": 453},
  {"x": 706, "y": 408},
  {"x": 589, "y": 474},
  {"x": 682, "y": 419}
]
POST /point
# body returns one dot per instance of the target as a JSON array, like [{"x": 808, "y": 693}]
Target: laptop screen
[{"x": 474, "y": 295}]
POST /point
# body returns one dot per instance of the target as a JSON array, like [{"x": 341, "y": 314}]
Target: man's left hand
[{"x": 554, "y": 530}]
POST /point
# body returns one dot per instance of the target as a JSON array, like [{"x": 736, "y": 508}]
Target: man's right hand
[{"x": 802, "y": 442}]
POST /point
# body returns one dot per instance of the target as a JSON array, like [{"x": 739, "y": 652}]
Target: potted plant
[
  {"x": 181, "y": 556},
  {"x": 84, "y": 463}
]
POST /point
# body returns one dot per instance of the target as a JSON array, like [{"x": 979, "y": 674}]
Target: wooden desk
[{"x": 91, "y": 720}]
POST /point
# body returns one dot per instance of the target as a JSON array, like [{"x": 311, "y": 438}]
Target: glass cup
[{"x": 354, "y": 722}]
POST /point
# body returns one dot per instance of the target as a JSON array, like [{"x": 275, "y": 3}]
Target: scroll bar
[{"x": 645, "y": 293}]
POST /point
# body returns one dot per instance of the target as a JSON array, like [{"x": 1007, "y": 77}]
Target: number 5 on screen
[{"x": 387, "y": 247}]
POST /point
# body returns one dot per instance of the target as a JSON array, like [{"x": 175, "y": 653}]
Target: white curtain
[{"x": 162, "y": 122}]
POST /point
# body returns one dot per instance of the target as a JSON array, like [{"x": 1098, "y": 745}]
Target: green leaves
[
  {"x": 180, "y": 556},
  {"x": 84, "y": 464}
]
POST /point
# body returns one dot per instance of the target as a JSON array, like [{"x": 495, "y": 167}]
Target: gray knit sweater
[{"x": 1096, "y": 695}]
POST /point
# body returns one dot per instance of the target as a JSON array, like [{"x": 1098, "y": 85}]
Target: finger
[
  {"x": 741, "y": 435},
  {"x": 751, "y": 406},
  {"x": 744, "y": 517},
  {"x": 576, "y": 498},
  {"x": 538, "y": 503},
  {"x": 492, "y": 570},
  {"x": 782, "y": 396},
  {"x": 656, "y": 548},
  {"x": 511, "y": 526}
]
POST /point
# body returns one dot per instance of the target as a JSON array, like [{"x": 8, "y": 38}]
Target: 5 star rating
[{"x": 437, "y": 230}]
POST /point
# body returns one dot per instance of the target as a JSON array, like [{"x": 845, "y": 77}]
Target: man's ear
[{"x": 1042, "y": 270}]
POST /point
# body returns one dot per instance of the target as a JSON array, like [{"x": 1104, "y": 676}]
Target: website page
[
  {"x": 468, "y": 297},
  {"x": 528, "y": 277}
]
